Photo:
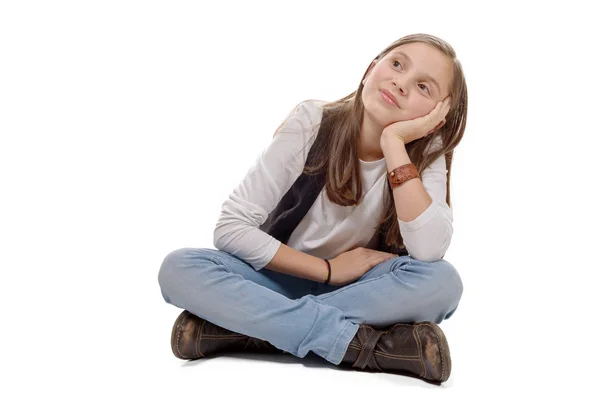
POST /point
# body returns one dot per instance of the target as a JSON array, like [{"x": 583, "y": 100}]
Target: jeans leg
[
  {"x": 264, "y": 304},
  {"x": 401, "y": 289}
]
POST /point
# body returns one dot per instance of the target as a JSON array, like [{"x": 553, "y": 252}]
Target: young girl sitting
[{"x": 334, "y": 240}]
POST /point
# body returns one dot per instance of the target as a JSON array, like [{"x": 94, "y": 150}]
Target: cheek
[
  {"x": 419, "y": 107},
  {"x": 376, "y": 77},
  {"x": 370, "y": 92}
]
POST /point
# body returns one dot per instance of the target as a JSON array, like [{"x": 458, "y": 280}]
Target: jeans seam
[
  {"x": 318, "y": 308},
  {"x": 356, "y": 284},
  {"x": 337, "y": 339},
  {"x": 215, "y": 260},
  {"x": 403, "y": 267},
  {"x": 352, "y": 285}
]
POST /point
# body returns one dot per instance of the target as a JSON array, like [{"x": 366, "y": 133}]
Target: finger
[
  {"x": 446, "y": 105},
  {"x": 387, "y": 256},
  {"x": 433, "y": 114},
  {"x": 430, "y": 120},
  {"x": 383, "y": 253},
  {"x": 434, "y": 120},
  {"x": 438, "y": 126},
  {"x": 378, "y": 259},
  {"x": 441, "y": 110},
  {"x": 375, "y": 259},
  {"x": 445, "y": 113},
  {"x": 435, "y": 109},
  {"x": 443, "y": 105}
]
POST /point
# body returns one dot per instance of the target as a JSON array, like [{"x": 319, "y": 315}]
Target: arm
[
  {"x": 424, "y": 217},
  {"x": 237, "y": 230},
  {"x": 293, "y": 262}
]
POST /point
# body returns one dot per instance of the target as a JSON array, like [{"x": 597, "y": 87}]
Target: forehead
[{"x": 421, "y": 52}]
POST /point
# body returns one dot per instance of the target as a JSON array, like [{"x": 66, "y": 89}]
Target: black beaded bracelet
[{"x": 328, "y": 271}]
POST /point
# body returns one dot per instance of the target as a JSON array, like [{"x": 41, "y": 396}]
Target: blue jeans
[{"x": 298, "y": 315}]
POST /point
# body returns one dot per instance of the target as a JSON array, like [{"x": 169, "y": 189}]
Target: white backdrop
[{"x": 120, "y": 141}]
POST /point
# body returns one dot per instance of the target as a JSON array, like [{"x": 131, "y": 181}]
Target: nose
[{"x": 400, "y": 85}]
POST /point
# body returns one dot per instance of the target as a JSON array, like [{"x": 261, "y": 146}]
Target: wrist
[
  {"x": 328, "y": 267},
  {"x": 389, "y": 139},
  {"x": 395, "y": 154}
]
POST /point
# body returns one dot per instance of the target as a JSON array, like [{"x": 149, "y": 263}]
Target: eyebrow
[{"x": 427, "y": 76}]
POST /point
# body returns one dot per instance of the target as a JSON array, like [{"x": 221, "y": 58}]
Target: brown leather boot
[
  {"x": 419, "y": 349},
  {"x": 193, "y": 337}
]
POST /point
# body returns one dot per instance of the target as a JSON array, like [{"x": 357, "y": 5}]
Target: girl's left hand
[{"x": 414, "y": 129}]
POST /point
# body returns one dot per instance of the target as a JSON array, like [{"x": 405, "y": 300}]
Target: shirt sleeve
[
  {"x": 428, "y": 236},
  {"x": 273, "y": 173}
]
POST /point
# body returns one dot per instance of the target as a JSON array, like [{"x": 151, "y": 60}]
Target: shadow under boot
[
  {"x": 419, "y": 349},
  {"x": 193, "y": 337}
]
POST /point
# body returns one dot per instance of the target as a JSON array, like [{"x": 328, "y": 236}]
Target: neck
[{"x": 369, "y": 148}]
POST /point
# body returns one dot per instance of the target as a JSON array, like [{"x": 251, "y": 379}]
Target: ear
[{"x": 369, "y": 70}]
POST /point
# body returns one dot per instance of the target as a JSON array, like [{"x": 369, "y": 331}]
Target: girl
[{"x": 334, "y": 240}]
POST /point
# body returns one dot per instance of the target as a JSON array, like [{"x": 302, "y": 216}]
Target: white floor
[
  {"x": 283, "y": 376},
  {"x": 103, "y": 348}
]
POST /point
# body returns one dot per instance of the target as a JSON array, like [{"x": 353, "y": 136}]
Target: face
[{"x": 416, "y": 74}]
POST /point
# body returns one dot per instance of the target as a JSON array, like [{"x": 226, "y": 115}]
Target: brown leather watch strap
[{"x": 402, "y": 174}]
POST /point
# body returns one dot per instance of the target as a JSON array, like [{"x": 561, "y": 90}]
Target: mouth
[{"x": 389, "y": 97}]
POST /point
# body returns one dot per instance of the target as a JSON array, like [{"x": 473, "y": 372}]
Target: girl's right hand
[{"x": 351, "y": 265}]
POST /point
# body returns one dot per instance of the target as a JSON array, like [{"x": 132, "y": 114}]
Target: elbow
[
  {"x": 234, "y": 236},
  {"x": 430, "y": 249},
  {"x": 222, "y": 235},
  {"x": 426, "y": 256},
  {"x": 217, "y": 238},
  {"x": 234, "y": 224},
  {"x": 225, "y": 229},
  {"x": 217, "y": 242}
]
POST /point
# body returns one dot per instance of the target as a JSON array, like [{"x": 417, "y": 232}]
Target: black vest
[{"x": 296, "y": 202}]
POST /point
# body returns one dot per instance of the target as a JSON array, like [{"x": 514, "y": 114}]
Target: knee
[
  {"x": 439, "y": 289},
  {"x": 174, "y": 267},
  {"x": 449, "y": 284},
  {"x": 169, "y": 269}
]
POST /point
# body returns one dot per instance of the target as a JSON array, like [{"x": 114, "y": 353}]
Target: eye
[{"x": 396, "y": 61}]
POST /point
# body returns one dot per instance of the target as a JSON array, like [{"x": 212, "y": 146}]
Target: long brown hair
[{"x": 342, "y": 121}]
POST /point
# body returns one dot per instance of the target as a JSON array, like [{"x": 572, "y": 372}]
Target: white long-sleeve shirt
[{"x": 328, "y": 229}]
